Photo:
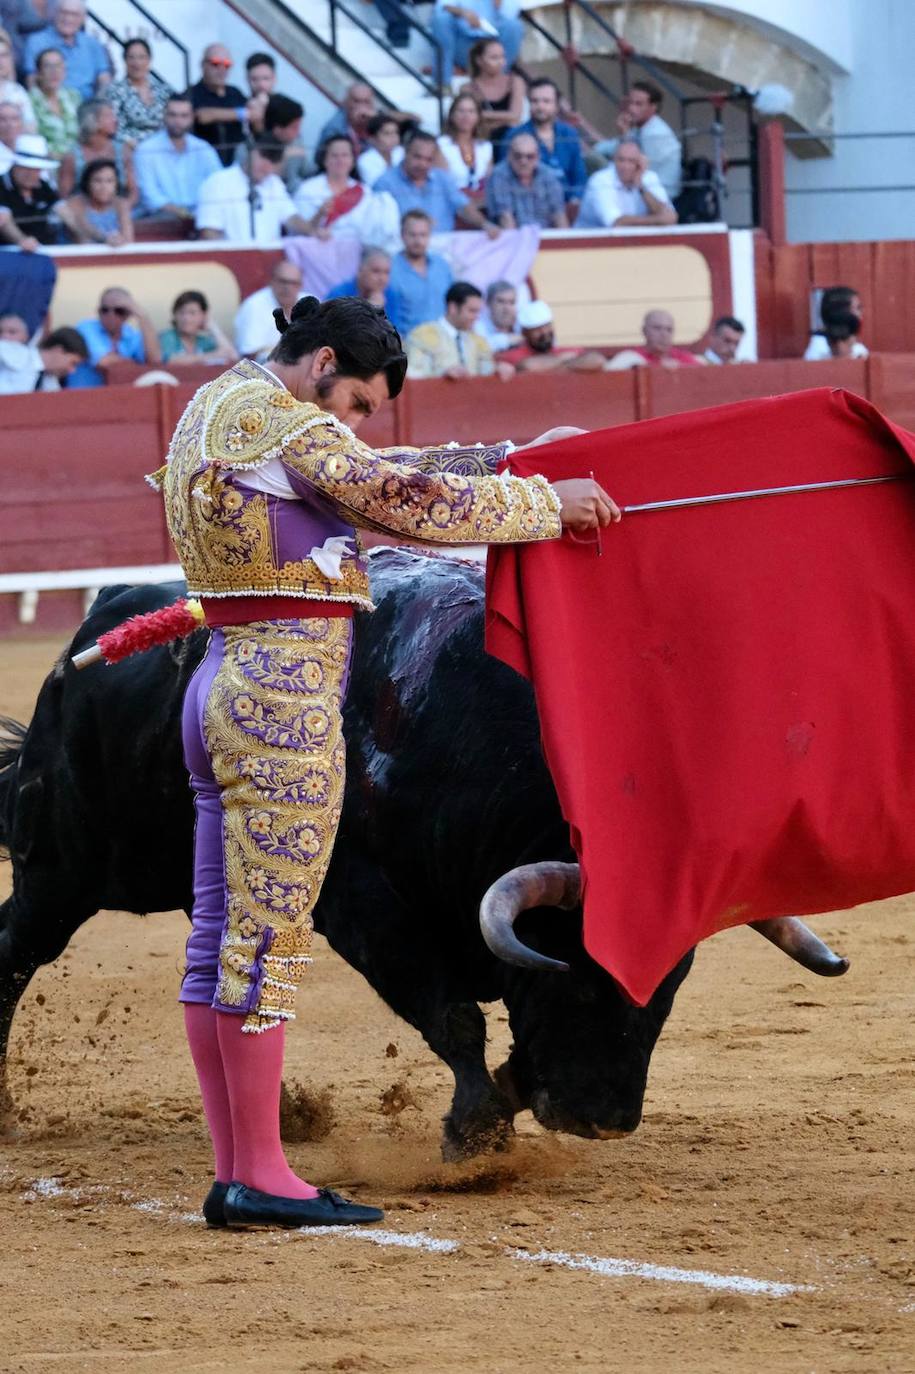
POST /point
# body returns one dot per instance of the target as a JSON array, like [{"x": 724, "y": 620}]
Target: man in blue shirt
[
  {"x": 372, "y": 283},
  {"x": 88, "y": 64},
  {"x": 419, "y": 278},
  {"x": 559, "y": 144},
  {"x": 172, "y": 164},
  {"x": 416, "y": 185},
  {"x": 111, "y": 337}
]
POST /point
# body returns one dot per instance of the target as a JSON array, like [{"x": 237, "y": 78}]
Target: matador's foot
[
  {"x": 245, "y": 1206},
  {"x": 214, "y": 1205}
]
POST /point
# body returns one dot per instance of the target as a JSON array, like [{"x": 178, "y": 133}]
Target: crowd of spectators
[{"x": 86, "y": 158}]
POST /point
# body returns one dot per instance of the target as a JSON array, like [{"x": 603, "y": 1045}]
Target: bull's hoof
[{"x": 458, "y": 1146}]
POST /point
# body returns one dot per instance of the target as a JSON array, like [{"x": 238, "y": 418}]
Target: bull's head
[{"x": 581, "y": 1052}]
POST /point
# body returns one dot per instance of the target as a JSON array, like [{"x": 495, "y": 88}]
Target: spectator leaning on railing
[
  {"x": 139, "y": 98},
  {"x": 249, "y": 204},
  {"x": 557, "y": 142},
  {"x": 419, "y": 278},
  {"x": 449, "y": 346},
  {"x": 659, "y": 349},
  {"x": 95, "y": 213},
  {"x": 625, "y": 193},
  {"x": 24, "y": 368},
  {"x": 519, "y": 191},
  {"x": 110, "y": 336},
  {"x": 26, "y": 199},
  {"x": 418, "y": 185},
  {"x": 724, "y": 341},
  {"x": 172, "y": 165},
  {"x": 255, "y": 327},
  {"x": 88, "y": 64},
  {"x": 639, "y": 119},
  {"x": 220, "y": 110}
]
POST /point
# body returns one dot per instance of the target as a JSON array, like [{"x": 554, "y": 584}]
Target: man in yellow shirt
[{"x": 450, "y": 347}]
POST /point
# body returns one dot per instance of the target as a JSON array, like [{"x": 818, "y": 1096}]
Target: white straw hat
[{"x": 31, "y": 150}]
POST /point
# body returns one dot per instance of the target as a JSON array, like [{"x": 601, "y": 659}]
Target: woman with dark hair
[
  {"x": 193, "y": 338},
  {"x": 385, "y": 149},
  {"x": 140, "y": 97},
  {"x": 264, "y": 487},
  {"x": 499, "y": 91},
  {"x": 465, "y": 155},
  {"x": 335, "y": 204},
  {"x": 96, "y": 213},
  {"x": 836, "y": 304}
]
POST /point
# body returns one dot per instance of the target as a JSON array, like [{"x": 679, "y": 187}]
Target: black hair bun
[
  {"x": 305, "y": 308},
  {"x": 280, "y": 320}
]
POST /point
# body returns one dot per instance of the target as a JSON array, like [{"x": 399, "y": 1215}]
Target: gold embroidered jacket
[{"x": 244, "y": 446}]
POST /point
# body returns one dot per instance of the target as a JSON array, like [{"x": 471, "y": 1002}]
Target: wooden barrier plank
[
  {"x": 892, "y": 386},
  {"x": 890, "y": 326},
  {"x": 692, "y": 388}
]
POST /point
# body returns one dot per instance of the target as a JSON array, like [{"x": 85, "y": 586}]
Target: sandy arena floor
[{"x": 778, "y": 1148}]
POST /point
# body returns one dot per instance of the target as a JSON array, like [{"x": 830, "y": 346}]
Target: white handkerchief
[{"x": 329, "y": 556}]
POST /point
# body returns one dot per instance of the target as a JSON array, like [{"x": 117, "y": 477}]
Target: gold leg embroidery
[{"x": 273, "y": 730}]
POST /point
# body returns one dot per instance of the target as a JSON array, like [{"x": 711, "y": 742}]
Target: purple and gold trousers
[{"x": 263, "y": 743}]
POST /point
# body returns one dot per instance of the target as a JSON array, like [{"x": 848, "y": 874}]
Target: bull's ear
[
  {"x": 798, "y": 941},
  {"x": 522, "y": 889}
]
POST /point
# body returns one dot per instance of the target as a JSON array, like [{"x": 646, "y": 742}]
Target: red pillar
[{"x": 772, "y": 181}]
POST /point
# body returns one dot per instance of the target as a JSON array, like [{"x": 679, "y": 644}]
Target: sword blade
[{"x": 716, "y": 498}]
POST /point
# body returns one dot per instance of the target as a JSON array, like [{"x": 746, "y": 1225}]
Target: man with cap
[
  {"x": 538, "y": 352},
  {"x": 26, "y": 199}
]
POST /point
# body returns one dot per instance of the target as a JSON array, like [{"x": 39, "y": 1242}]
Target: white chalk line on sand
[{"x": 606, "y": 1267}]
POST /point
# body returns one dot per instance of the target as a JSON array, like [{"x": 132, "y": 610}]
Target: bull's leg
[
  {"x": 418, "y": 985},
  {"x": 26, "y": 942}
]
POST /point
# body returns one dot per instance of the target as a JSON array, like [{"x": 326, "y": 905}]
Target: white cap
[
  {"x": 31, "y": 150},
  {"x": 534, "y": 314}
]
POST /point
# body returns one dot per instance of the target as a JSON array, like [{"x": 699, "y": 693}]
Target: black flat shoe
[
  {"x": 247, "y": 1207},
  {"x": 213, "y": 1205}
]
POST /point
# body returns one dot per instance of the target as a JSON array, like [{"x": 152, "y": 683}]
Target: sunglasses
[
  {"x": 120, "y": 310},
  {"x": 219, "y": 62}
]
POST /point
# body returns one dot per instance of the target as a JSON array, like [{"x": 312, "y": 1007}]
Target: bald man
[
  {"x": 219, "y": 109},
  {"x": 659, "y": 349}
]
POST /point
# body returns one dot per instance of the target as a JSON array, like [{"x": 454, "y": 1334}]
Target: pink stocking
[
  {"x": 253, "y": 1067},
  {"x": 200, "y": 1024}
]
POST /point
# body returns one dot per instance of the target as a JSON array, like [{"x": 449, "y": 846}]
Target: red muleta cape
[{"x": 727, "y": 694}]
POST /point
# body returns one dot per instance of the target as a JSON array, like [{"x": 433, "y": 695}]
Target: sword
[{"x": 717, "y": 497}]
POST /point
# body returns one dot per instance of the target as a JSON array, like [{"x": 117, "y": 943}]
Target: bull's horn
[
  {"x": 799, "y": 942},
  {"x": 532, "y": 885}
]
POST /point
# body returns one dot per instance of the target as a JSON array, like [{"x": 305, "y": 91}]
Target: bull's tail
[{"x": 12, "y": 738}]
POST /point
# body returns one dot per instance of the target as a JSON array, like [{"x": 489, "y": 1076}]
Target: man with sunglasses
[
  {"x": 220, "y": 110},
  {"x": 112, "y": 336},
  {"x": 521, "y": 190}
]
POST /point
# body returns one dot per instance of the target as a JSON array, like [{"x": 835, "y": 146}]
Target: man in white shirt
[
  {"x": 24, "y": 368},
  {"x": 724, "y": 341},
  {"x": 626, "y": 193},
  {"x": 255, "y": 328},
  {"x": 639, "y": 119},
  {"x": 234, "y": 197}
]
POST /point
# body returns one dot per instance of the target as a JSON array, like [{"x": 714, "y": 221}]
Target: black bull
[{"x": 446, "y": 791}]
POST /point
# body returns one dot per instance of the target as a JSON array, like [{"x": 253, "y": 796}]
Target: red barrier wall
[{"x": 72, "y": 465}]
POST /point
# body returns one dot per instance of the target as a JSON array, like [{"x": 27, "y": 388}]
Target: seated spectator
[
  {"x": 24, "y": 368},
  {"x": 457, "y": 27},
  {"x": 283, "y": 122},
  {"x": 88, "y": 65},
  {"x": 260, "y": 69},
  {"x": 658, "y": 350},
  {"x": 639, "y": 119},
  {"x": 466, "y": 155},
  {"x": 354, "y": 115},
  {"x": 96, "y": 213},
  {"x": 384, "y": 149},
  {"x": 449, "y": 346},
  {"x": 840, "y": 334},
  {"x": 110, "y": 336},
  {"x": 255, "y": 328},
  {"x": 26, "y": 199},
  {"x": 519, "y": 191},
  {"x": 557, "y": 142},
  {"x": 417, "y": 185},
  {"x": 10, "y": 90},
  {"x": 140, "y": 97},
  {"x": 538, "y": 351},
  {"x": 419, "y": 278},
  {"x": 18, "y": 19},
  {"x": 724, "y": 342},
  {"x": 55, "y": 106},
  {"x": 13, "y": 328},
  {"x": 192, "y": 337},
  {"x": 498, "y": 323},
  {"x": 98, "y": 138},
  {"x": 372, "y": 283},
  {"x": 625, "y": 193},
  {"x": 172, "y": 165},
  {"x": 836, "y": 303},
  {"x": 334, "y": 204},
  {"x": 499, "y": 91},
  {"x": 249, "y": 204},
  {"x": 220, "y": 110},
  {"x": 10, "y": 129}
]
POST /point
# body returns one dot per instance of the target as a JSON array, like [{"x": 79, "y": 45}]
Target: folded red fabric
[{"x": 727, "y": 693}]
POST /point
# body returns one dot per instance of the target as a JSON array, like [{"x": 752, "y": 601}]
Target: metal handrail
[
  {"x": 571, "y": 61},
  {"x": 626, "y": 49},
  {"x": 159, "y": 29}
]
